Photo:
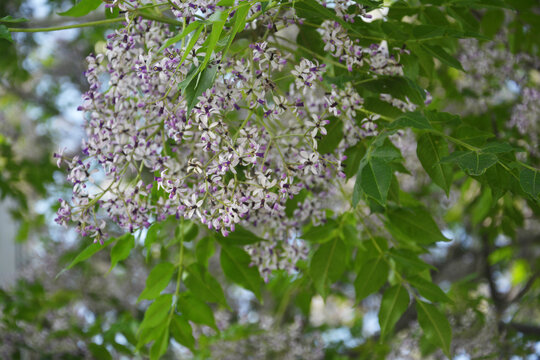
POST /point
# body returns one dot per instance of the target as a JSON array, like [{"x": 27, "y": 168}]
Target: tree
[{"x": 378, "y": 154}]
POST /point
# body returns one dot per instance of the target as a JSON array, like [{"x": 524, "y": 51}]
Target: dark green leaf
[
  {"x": 375, "y": 179},
  {"x": 328, "y": 264},
  {"x": 435, "y": 326},
  {"x": 430, "y": 150},
  {"x": 203, "y": 285},
  {"x": 441, "y": 54},
  {"x": 87, "y": 253},
  {"x": 196, "y": 310},
  {"x": 322, "y": 233},
  {"x": 240, "y": 236},
  {"x": 530, "y": 182},
  {"x": 236, "y": 266},
  {"x": 371, "y": 277},
  {"x": 5, "y": 34},
  {"x": 414, "y": 225},
  {"x": 198, "y": 85},
  {"x": 330, "y": 141},
  {"x": 429, "y": 290},
  {"x": 413, "y": 120}
]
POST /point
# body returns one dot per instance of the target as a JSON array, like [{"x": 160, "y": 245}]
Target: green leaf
[
  {"x": 409, "y": 261},
  {"x": 204, "y": 250},
  {"x": 196, "y": 87},
  {"x": 322, "y": 233},
  {"x": 121, "y": 249},
  {"x": 82, "y": 8},
  {"x": 203, "y": 285},
  {"x": 182, "y": 332},
  {"x": 375, "y": 179},
  {"x": 157, "y": 312},
  {"x": 530, "y": 182},
  {"x": 435, "y": 326},
  {"x": 99, "y": 351},
  {"x": 441, "y": 54},
  {"x": 160, "y": 345},
  {"x": 371, "y": 277},
  {"x": 240, "y": 236},
  {"x": 414, "y": 225},
  {"x": 196, "y": 310},
  {"x": 188, "y": 29},
  {"x": 328, "y": 264},
  {"x": 213, "y": 38},
  {"x": 87, "y": 253},
  {"x": 429, "y": 290},
  {"x": 430, "y": 150},
  {"x": 497, "y": 148},
  {"x": 475, "y": 163},
  {"x": 354, "y": 156},
  {"x": 415, "y": 120},
  {"x": 399, "y": 87},
  {"x": 11, "y": 20},
  {"x": 5, "y": 34},
  {"x": 330, "y": 141},
  {"x": 239, "y": 25},
  {"x": 236, "y": 266},
  {"x": 394, "y": 302},
  {"x": 157, "y": 281}
]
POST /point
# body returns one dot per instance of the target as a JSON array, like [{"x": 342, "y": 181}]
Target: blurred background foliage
[{"x": 490, "y": 269}]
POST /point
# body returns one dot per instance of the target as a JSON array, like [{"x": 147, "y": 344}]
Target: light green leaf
[
  {"x": 182, "y": 332},
  {"x": 82, "y": 8},
  {"x": 157, "y": 312},
  {"x": 239, "y": 25},
  {"x": 160, "y": 345},
  {"x": 213, "y": 38},
  {"x": 11, "y": 20},
  {"x": 322, "y": 233},
  {"x": 236, "y": 266},
  {"x": 429, "y": 290},
  {"x": 157, "y": 281},
  {"x": 121, "y": 249},
  {"x": 414, "y": 225},
  {"x": 188, "y": 29},
  {"x": 430, "y": 150},
  {"x": 435, "y": 326},
  {"x": 375, "y": 179},
  {"x": 196, "y": 310},
  {"x": 394, "y": 302},
  {"x": 87, "y": 253},
  {"x": 203, "y": 285},
  {"x": 328, "y": 264},
  {"x": 441, "y": 54},
  {"x": 371, "y": 277}
]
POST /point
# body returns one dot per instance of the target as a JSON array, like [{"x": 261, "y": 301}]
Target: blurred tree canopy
[{"x": 427, "y": 248}]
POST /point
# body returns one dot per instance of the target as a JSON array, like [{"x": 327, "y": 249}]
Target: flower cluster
[{"x": 238, "y": 153}]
